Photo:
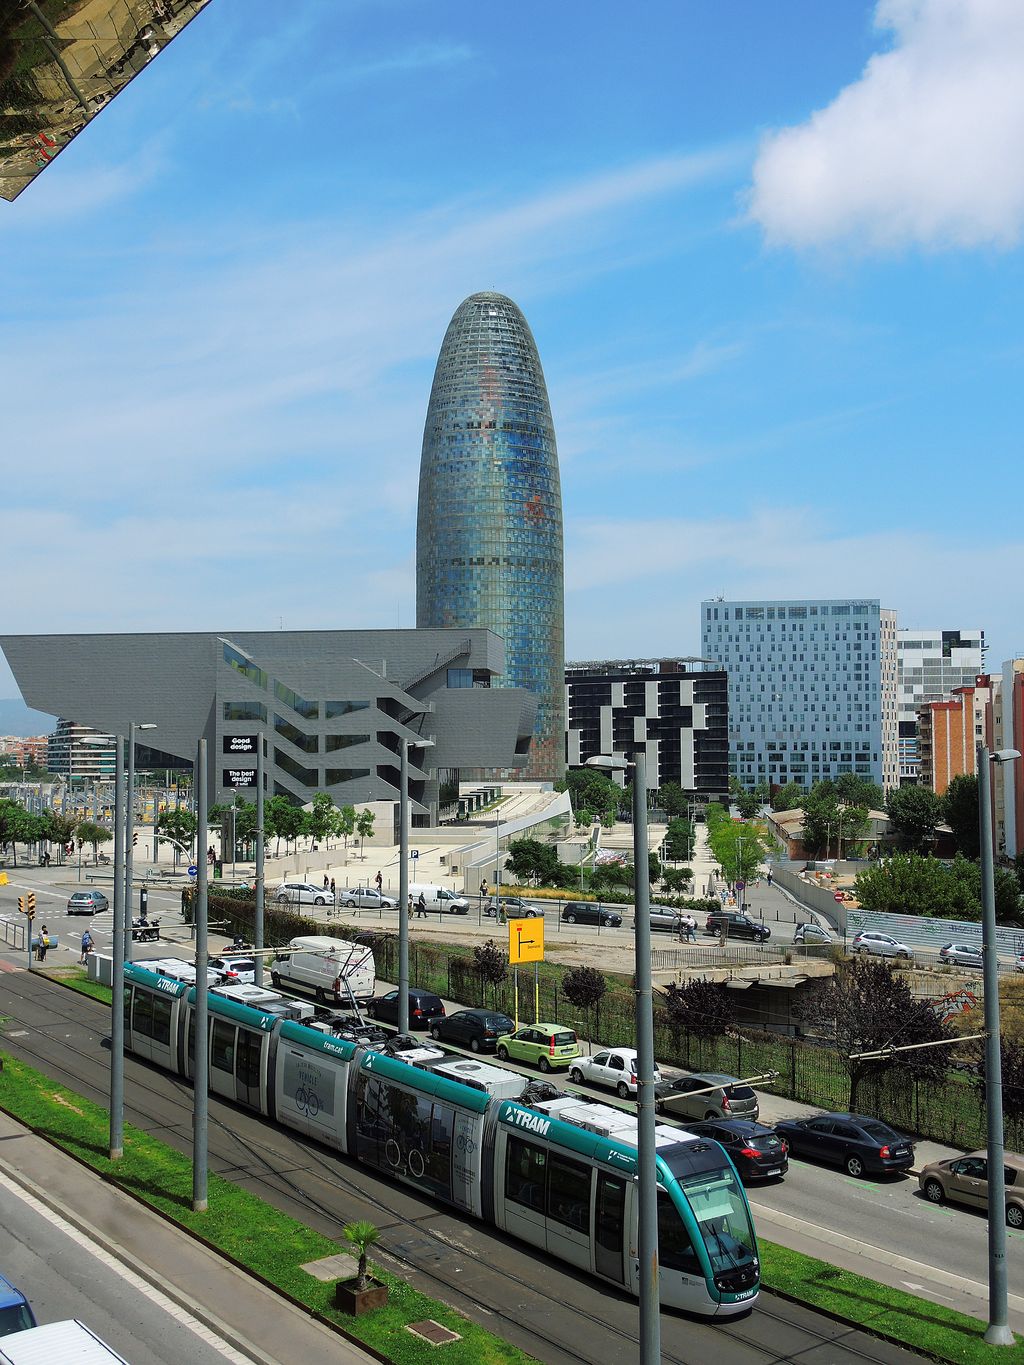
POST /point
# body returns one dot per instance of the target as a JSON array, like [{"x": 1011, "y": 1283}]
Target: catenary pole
[
  {"x": 117, "y": 974},
  {"x": 257, "y": 938},
  {"x": 403, "y": 888},
  {"x": 201, "y": 1074}
]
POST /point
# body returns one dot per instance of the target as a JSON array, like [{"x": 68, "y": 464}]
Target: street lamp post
[
  {"x": 116, "y": 1144},
  {"x": 129, "y": 833},
  {"x": 647, "y": 1167},
  {"x": 998, "y": 1332},
  {"x": 403, "y": 877}
]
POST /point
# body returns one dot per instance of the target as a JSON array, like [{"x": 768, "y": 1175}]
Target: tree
[
  {"x": 89, "y": 833},
  {"x": 345, "y": 824},
  {"x": 827, "y": 821},
  {"x": 585, "y": 987},
  {"x": 959, "y": 809},
  {"x": 364, "y": 827},
  {"x": 584, "y": 818},
  {"x": 58, "y": 829},
  {"x": 282, "y": 820},
  {"x": 180, "y": 825},
  {"x": 913, "y": 815},
  {"x": 748, "y": 805},
  {"x": 788, "y": 797},
  {"x": 1012, "y": 1056},
  {"x": 738, "y": 848},
  {"x": 907, "y": 884},
  {"x": 868, "y": 1006},
  {"x": 321, "y": 817},
  {"x": 531, "y": 861},
  {"x": 589, "y": 789},
  {"x": 858, "y": 791},
  {"x": 654, "y": 870},
  {"x": 12, "y": 825},
  {"x": 677, "y": 879},
  {"x": 678, "y": 842},
  {"x": 361, "y": 1235},
  {"x": 491, "y": 965},
  {"x": 700, "y": 1008},
  {"x": 672, "y": 799}
]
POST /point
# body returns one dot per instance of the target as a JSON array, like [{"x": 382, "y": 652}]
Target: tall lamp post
[
  {"x": 998, "y": 1332},
  {"x": 403, "y": 878},
  {"x": 129, "y": 834},
  {"x": 647, "y": 1167}
]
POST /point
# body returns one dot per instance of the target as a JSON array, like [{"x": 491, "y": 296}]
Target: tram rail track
[{"x": 517, "y": 1305}]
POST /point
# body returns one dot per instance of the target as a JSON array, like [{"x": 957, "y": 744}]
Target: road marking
[{"x": 136, "y": 1281}]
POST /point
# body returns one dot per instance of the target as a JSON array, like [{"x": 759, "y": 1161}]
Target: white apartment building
[
  {"x": 79, "y": 751},
  {"x": 812, "y": 688},
  {"x": 931, "y": 664}
]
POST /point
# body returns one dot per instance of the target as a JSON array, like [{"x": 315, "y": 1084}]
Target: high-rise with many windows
[
  {"x": 489, "y": 529},
  {"x": 931, "y": 664},
  {"x": 812, "y": 688}
]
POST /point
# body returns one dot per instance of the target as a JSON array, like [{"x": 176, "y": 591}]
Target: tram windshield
[{"x": 720, "y": 1209}]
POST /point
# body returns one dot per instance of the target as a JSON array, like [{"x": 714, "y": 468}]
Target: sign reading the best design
[
  {"x": 239, "y": 777},
  {"x": 239, "y": 744},
  {"x": 526, "y": 940}
]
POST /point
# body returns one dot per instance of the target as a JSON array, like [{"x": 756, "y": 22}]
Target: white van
[
  {"x": 57, "y": 1341},
  {"x": 332, "y": 969},
  {"x": 439, "y": 898}
]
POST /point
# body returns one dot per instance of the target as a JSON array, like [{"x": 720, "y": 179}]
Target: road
[
  {"x": 64, "y": 1275},
  {"x": 543, "y": 1306}
]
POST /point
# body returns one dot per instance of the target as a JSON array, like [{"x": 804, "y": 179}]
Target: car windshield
[
  {"x": 15, "y": 1317},
  {"x": 739, "y": 1092},
  {"x": 721, "y": 1212}
]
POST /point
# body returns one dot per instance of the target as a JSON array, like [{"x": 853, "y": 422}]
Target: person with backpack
[{"x": 87, "y": 946}]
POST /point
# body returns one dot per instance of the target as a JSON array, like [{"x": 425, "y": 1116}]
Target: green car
[{"x": 545, "y": 1045}]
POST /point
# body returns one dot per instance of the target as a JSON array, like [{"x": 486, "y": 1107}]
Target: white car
[
  {"x": 880, "y": 945},
  {"x": 304, "y": 893},
  {"x": 367, "y": 896},
  {"x": 236, "y": 970},
  {"x": 614, "y": 1067}
]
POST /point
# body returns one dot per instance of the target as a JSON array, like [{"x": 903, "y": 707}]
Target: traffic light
[
  {"x": 30, "y": 903},
  {"x": 135, "y": 838},
  {"x": 21, "y": 905}
]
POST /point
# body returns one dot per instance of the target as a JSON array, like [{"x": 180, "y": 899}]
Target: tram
[{"x": 558, "y": 1173}]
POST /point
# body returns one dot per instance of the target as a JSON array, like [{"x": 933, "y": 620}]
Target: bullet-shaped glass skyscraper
[{"x": 489, "y": 530}]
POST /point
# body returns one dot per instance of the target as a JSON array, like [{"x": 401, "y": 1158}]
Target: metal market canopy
[{"x": 62, "y": 61}]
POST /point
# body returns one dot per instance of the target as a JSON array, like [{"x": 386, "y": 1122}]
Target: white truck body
[
  {"x": 439, "y": 898},
  {"x": 69, "y": 1343},
  {"x": 332, "y": 969}
]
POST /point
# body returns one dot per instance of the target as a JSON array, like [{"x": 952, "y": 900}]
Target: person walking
[
  {"x": 327, "y": 881},
  {"x": 421, "y": 907},
  {"x": 691, "y": 929},
  {"x": 334, "y": 894},
  {"x": 483, "y": 887},
  {"x": 379, "y": 880},
  {"x": 768, "y": 879},
  {"x": 87, "y": 946},
  {"x": 42, "y": 945}
]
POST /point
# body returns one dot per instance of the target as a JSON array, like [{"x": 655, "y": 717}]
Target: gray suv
[{"x": 707, "y": 1095}]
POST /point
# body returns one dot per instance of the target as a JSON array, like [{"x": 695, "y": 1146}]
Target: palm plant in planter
[{"x": 362, "y": 1294}]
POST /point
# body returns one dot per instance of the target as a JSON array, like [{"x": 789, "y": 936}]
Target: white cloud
[{"x": 923, "y": 149}]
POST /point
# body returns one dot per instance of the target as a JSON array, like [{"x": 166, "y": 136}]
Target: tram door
[
  {"x": 610, "y": 1226},
  {"x": 247, "y": 1067}
]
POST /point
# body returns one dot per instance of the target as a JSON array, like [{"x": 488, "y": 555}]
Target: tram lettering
[{"x": 533, "y": 1122}]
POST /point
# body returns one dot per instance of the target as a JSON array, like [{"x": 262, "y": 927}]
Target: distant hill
[{"x": 18, "y": 719}]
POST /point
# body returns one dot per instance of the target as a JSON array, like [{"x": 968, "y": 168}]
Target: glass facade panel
[
  {"x": 310, "y": 744},
  {"x": 335, "y": 742},
  {"x": 309, "y": 709},
  {"x": 334, "y": 775},
  {"x": 245, "y": 710},
  {"x": 309, "y": 777},
  {"x": 489, "y": 530},
  {"x": 332, "y": 709},
  {"x": 245, "y": 666}
]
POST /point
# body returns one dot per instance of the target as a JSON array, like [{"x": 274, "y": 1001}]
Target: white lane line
[{"x": 179, "y": 1314}]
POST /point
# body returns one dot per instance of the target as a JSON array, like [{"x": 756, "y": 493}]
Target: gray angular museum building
[{"x": 333, "y": 705}]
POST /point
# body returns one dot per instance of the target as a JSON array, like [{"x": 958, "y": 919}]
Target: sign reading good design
[
  {"x": 239, "y": 777},
  {"x": 239, "y": 744}
]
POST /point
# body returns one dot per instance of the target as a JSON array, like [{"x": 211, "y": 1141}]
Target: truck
[
  {"x": 69, "y": 1341},
  {"x": 333, "y": 970}
]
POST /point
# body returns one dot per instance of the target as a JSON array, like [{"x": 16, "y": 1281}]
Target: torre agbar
[{"x": 489, "y": 530}]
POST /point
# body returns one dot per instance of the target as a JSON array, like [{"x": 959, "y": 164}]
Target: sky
[{"x": 771, "y": 256}]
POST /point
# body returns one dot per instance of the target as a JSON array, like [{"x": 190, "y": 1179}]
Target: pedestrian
[
  {"x": 409, "y": 907},
  {"x": 421, "y": 907},
  {"x": 379, "y": 880},
  {"x": 333, "y": 892},
  {"x": 483, "y": 887},
  {"x": 327, "y": 881},
  {"x": 691, "y": 928},
  {"x": 42, "y": 945},
  {"x": 87, "y": 946},
  {"x": 768, "y": 879}
]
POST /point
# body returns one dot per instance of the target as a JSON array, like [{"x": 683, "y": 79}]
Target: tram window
[
  {"x": 524, "y": 1173},
  {"x": 128, "y": 1007},
  {"x": 439, "y": 1158},
  {"x": 569, "y": 1192},
  {"x": 675, "y": 1250},
  {"x": 222, "y": 1054},
  {"x": 161, "y": 1021},
  {"x": 249, "y": 1058},
  {"x": 191, "y": 1037},
  {"x": 142, "y": 1014}
]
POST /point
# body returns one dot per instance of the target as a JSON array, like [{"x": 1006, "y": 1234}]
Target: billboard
[
  {"x": 62, "y": 61},
  {"x": 238, "y": 777}
]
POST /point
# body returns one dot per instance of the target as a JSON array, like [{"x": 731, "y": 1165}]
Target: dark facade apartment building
[{"x": 676, "y": 709}]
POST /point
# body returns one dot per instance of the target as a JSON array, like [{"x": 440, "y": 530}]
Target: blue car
[{"x": 15, "y": 1314}]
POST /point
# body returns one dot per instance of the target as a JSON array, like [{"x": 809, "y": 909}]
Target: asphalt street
[{"x": 545, "y": 1307}]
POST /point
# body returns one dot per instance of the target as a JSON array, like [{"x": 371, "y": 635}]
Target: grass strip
[
  {"x": 258, "y": 1236},
  {"x": 888, "y": 1312}
]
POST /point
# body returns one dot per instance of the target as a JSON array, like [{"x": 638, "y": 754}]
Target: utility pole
[
  {"x": 257, "y": 937},
  {"x": 201, "y": 1073},
  {"x": 116, "y": 1146}
]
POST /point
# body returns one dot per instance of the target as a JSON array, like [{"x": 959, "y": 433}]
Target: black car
[
  {"x": 853, "y": 1141},
  {"x": 757, "y": 1152},
  {"x": 737, "y": 925},
  {"x": 589, "y": 912},
  {"x": 424, "y": 1007},
  {"x": 479, "y": 1030}
]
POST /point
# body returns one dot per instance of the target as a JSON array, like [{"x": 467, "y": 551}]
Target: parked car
[
  {"x": 479, "y": 1030},
  {"x": 757, "y": 1151},
  {"x": 240, "y": 970},
  {"x": 304, "y": 893},
  {"x": 15, "y": 1313},
  {"x": 706, "y": 1095},
  {"x": 589, "y": 912},
  {"x": 880, "y": 945},
  {"x": 614, "y": 1067},
  {"x": 811, "y": 933},
  {"x": 964, "y": 1180},
  {"x": 853, "y": 1141},
  {"x": 737, "y": 925},
  {"x": 961, "y": 954},
  {"x": 368, "y": 897},
  {"x": 1018, "y": 963},
  {"x": 87, "y": 903},
  {"x": 424, "y": 1007},
  {"x": 545, "y": 1045},
  {"x": 666, "y": 917},
  {"x": 515, "y": 908}
]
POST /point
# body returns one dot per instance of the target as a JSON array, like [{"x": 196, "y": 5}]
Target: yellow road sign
[{"x": 526, "y": 940}]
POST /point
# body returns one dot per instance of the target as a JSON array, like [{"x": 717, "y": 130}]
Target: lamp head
[
  {"x": 1004, "y": 755},
  {"x": 609, "y": 762}
]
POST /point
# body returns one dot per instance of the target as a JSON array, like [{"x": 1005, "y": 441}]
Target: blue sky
[{"x": 771, "y": 255}]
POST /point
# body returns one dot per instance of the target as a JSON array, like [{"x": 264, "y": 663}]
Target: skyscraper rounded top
[{"x": 489, "y": 530}]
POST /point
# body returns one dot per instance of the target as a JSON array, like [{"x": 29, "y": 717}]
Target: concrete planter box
[{"x": 354, "y": 1301}]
